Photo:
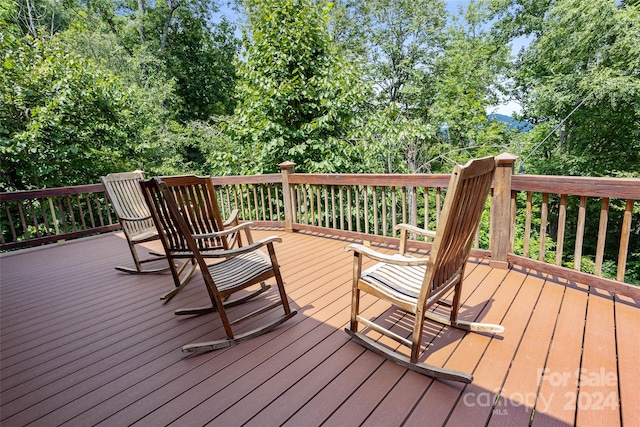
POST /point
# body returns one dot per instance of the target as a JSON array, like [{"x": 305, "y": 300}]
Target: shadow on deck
[{"x": 83, "y": 344}]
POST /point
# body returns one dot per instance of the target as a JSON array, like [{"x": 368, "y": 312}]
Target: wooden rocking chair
[
  {"x": 239, "y": 268},
  {"x": 415, "y": 284},
  {"x": 123, "y": 190},
  {"x": 196, "y": 199}
]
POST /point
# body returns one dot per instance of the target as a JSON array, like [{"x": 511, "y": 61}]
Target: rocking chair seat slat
[
  {"x": 240, "y": 269},
  {"x": 405, "y": 280},
  {"x": 145, "y": 236}
]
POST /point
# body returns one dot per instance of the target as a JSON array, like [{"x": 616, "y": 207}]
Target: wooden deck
[{"x": 83, "y": 344}]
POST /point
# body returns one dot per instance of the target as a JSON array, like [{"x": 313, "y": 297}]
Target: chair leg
[
  {"x": 180, "y": 282},
  {"x": 355, "y": 292},
  {"x": 278, "y": 277},
  {"x": 138, "y": 263},
  {"x": 402, "y": 360}
]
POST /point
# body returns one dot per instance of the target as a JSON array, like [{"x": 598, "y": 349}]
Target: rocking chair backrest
[
  {"x": 126, "y": 198},
  {"x": 171, "y": 226},
  {"x": 464, "y": 203},
  {"x": 196, "y": 199}
]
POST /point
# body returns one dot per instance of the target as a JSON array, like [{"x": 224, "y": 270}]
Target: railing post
[
  {"x": 500, "y": 239},
  {"x": 287, "y": 168}
]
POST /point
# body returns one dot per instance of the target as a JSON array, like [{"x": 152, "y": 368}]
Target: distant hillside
[{"x": 522, "y": 126}]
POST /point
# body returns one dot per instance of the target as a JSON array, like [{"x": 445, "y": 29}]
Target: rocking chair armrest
[
  {"x": 135, "y": 219},
  {"x": 396, "y": 259},
  {"x": 226, "y": 231},
  {"x": 233, "y": 219},
  {"x": 244, "y": 249},
  {"x": 417, "y": 230}
]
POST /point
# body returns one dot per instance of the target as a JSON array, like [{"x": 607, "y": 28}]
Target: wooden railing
[
  {"x": 575, "y": 227},
  {"x": 257, "y": 198},
  {"x": 32, "y": 218},
  {"x": 555, "y": 216}
]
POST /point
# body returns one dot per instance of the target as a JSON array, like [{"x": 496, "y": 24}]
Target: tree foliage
[
  {"x": 298, "y": 96},
  {"x": 581, "y": 71},
  {"x": 64, "y": 118}
]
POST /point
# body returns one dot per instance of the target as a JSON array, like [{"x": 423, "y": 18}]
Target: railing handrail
[
  {"x": 50, "y": 192},
  {"x": 387, "y": 180},
  {"x": 274, "y": 178},
  {"x": 619, "y": 188}
]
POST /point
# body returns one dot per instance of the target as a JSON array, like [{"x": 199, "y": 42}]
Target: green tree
[
  {"x": 299, "y": 97},
  {"x": 580, "y": 76},
  {"x": 467, "y": 79},
  {"x": 190, "y": 48},
  {"x": 434, "y": 80},
  {"x": 65, "y": 120},
  {"x": 399, "y": 41},
  {"x": 201, "y": 60}
]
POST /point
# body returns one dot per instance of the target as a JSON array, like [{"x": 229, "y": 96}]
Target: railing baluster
[
  {"x": 543, "y": 226},
  {"x": 72, "y": 214},
  {"x": 25, "y": 228},
  {"x": 602, "y": 235},
  {"x": 375, "y": 209},
  {"x": 356, "y": 190},
  {"x": 47, "y": 227},
  {"x": 312, "y": 204},
  {"x": 562, "y": 218},
  {"x": 63, "y": 216},
  {"x": 318, "y": 205},
  {"x": 11, "y": 226},
  {"x": 438, "y": 201},
  {"x": 270, "y": 202},
  {"x": 255, "y": 202},
  {"x": 233, "y": 192},
  {"x": 262, "y": 205},
  {"x": 384, "y": 211},
  {"x": 305, "y": 203},
  {"x": 577, "y": 253},
  {"x": 413, "y": 204},
  {"x": 393, "y": 212},
  {"x": 90, "y": 211},
  {"x": 514, "y": 210},
  {"x": 226, "y": 190},
  {"x": 247, "y": 194},
  {"x": 426, "y": 208},
  {"x": 326, "y": 206},
  {"x": 98, "y": 208},
  {"x": 341, "y": 204},
  {"x": 404, "y": 205},
  {"x": 349, "y": 220},
  {"x": 527, "y": 226},
  {"x": 624, "y": 240},
  {"x": 333, "y": 205},
  {"x": 81, "y": 212}
]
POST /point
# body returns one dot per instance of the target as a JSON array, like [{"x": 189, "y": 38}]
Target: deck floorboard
[{"x": 82, "y": 344}]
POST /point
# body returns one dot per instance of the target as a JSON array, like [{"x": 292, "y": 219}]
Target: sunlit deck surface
[{"x": 83, "y": 344}]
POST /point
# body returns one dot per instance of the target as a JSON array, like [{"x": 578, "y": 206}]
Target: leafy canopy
[{"x": 298, "y": 95}]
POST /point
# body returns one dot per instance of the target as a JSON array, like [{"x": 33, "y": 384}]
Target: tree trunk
[{"x": 173, "y": 6}]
